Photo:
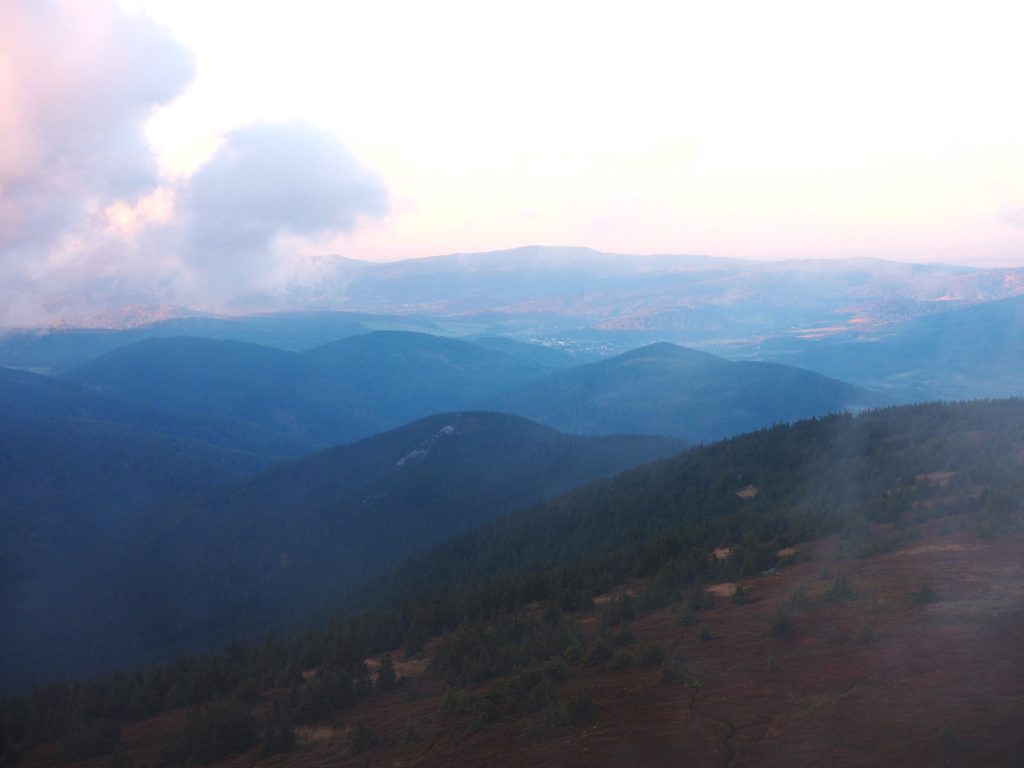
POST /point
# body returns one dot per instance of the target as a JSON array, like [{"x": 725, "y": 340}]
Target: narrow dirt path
[{"x": 731, "y": 729}]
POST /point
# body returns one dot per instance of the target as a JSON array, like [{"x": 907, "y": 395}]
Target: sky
[{"x": 188, "y": 152}]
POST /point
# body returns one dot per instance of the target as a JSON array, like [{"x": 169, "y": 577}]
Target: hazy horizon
[
  {"x": 511, "y": 384},
  {"x": 174, "y": 153}
]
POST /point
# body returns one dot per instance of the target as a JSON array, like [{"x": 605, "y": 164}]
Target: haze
[{"x": 187, "y": 153}]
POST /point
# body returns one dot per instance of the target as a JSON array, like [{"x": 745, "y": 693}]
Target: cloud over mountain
[
  {"x": 268, "y": 181},
  {"x": 77, "y": 83},
  {"x": 86, "y": 217}
]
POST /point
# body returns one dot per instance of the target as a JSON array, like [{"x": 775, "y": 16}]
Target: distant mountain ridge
[
  {"x": 972, "y": 352},
  {"x": 680, "y": 296},
  {"x": 572, "y": 294},
  {"x": 334, "y": 393},
  {"x": 59, "y": 349},
  {"x": 670, "y": 390},
  {"x": 363, "y": 384}
]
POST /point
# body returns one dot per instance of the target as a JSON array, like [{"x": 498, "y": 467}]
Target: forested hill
[
  {"x": 755, "y": 493},
  {"x": 73, "y": 462},
  {"x": 57, "y": 350},
  {"x": 214, "y": 566},
  {"x": 511, "y": 607},
  {"x": 976, "y": 351},
  {"x": 670, "y": 390},
  {"x": 334, "y": 393}
]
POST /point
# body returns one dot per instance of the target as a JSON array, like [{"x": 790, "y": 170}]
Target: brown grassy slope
[{"x": 931, "y": 684}]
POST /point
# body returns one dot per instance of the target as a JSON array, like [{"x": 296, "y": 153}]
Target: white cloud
[
  {"x": 87, "y": 220},
  {"x": 266, "y": 186},
  {"x": 78, "y": 81}
]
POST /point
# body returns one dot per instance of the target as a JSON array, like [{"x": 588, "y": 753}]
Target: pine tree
[
  {"x": 386, "y": 678},
  {"x": 278, "y": 731}
]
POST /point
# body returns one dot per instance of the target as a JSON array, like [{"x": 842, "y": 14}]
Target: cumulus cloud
[
  {"x": 78, "y": 80},
  {"x": 86, "y": 221},
  {"x": 267, "y": 185}
]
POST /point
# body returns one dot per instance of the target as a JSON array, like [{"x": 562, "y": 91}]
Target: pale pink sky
[
  {"x": 747, "y": 129},
  {"x": 761, "y": 130}
]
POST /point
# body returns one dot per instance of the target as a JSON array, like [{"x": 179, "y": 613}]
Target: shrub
[
  {"x": 564, "y": 714},
  {"x": 89, "y": 738},
  {"x": 598, "y": 653},
  {"x": 685, "y": 619},
  {"x": 741, "y": 596},
  {"x": 213, "y": 731},
  {"x": 699, "y": 599},
  {"x": 386, "y": 678},
  {"x": 313, "y": 703},
  {"x": 556, "y": 668},
  {"x": 674, "y": 672},
  {"x": 456, "y": 702},
  {"x": 925, "y": 594},
  {"x": 782, "y": 625},
  {"x": 623, "y": 637},
  {"x": 619, "y": 611},
  {"x": 650, "y": 655},
  {"x": 246, "y": 692},
  {"x": 865, "y": 636},
  {"x": 526, "y": 691},
  {"x": 581, "y": 708},
  {"x": 362, "y": 739},
  {"x": 798, "y": 598},
  {"x": 840, "y": 589},
  {"x": 412, "y": 734},
  {"x": 278, "y": 732},
  {"x": 621, "y": 660}
]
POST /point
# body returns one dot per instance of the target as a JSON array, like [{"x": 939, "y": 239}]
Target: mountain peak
[{"x": 668, "y": 351}]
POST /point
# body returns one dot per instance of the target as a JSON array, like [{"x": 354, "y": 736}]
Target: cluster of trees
[
  {"x": 225, "y": 563},
  {"x": 660, "y": 523}
]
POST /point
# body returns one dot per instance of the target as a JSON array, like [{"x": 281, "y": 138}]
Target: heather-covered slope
[{"x": 843, "y": 589}]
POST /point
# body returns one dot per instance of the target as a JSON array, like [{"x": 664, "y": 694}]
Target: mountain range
[
  {"x": 973, "y": 352},
  {"x": 487, "y": 470},
  {"x": 584, "y": 300},
  {"x": 331, "y": 394},
  {"x": 664, "y": 389},
  {"x": 209, "y": 566},
  {"x": 362, "y": 384},
  {"x": 684, "y": 298},
  {"x": 812, "y": 591}
]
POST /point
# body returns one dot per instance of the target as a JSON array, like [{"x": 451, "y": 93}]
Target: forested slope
[
  {"x": 665, "y": 389},
  {"x": 500, "y": 627},
  {"x": 334, "y": 393},
  {"x": 220, "y": 564}
]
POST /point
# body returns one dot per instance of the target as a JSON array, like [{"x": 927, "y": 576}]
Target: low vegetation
[{"x": 656, "y": 527}]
